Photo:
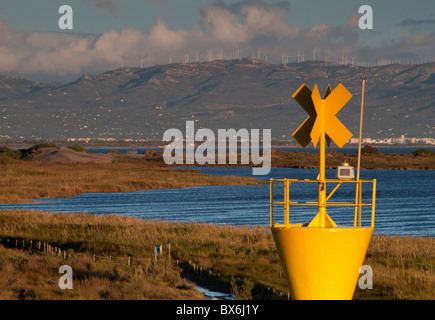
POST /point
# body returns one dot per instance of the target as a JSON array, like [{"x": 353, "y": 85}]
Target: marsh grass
[
  {"x": 402, "y": 266},
  {"x": 25, "y": 276},
  {"x": 23, "y": 180}
]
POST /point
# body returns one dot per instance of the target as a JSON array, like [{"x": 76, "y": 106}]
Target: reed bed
[
  {"x": 23, "y": 181},
  {"x": 402, "y": 266}
]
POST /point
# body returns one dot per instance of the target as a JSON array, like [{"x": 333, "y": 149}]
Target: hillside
[{"x": 142, "y": 103}]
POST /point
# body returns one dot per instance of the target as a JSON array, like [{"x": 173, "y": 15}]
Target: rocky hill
[{"x": 136, "y": 103}]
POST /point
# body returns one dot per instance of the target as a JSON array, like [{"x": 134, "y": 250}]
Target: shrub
[
  {"x": 423, "y": 152},
  {"x": 29, "y": 153},
  {"x": 113, "y": 151},
  {"x": 369, "y": 150},
  {"x": 77, "y": 148},
  {"x": 9, "y": 153}
]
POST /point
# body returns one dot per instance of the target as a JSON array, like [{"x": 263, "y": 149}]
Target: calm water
[{"x": 405, "y": 201}]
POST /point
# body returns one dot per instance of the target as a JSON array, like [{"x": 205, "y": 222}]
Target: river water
[{"x": 405, "y": 201}]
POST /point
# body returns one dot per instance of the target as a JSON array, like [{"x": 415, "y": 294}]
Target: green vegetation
[
  {"x": 116, "y": 152},
  {"x": 30, "y": 153},
  {"x": 368, "y": 150},
  {"x": 8, "y": 155},
  {"x": 402, "y": 266},
  {"x": 7, "y": 152},
  {"x": 423, "y": 152},
  {"x": 77, "y": 148}
]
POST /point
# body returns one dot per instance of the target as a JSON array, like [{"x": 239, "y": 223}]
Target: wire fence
[{"x": 63, "y": 253}]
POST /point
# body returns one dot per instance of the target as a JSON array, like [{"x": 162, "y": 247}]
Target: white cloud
[{"x": 246, "y": 25}]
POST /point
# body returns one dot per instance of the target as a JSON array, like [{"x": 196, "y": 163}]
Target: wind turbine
[
  {"x": 220, "y": 54},
  {"x": 237, "y": 54}
]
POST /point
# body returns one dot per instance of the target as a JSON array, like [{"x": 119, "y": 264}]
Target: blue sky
[{"x": 108, "y": 33}]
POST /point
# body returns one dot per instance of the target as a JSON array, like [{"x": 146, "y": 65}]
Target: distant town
[
  {"x": 385, "y": 141},
  {"x": 402, "y": 140},
  {"x": 113, "y": 141}
]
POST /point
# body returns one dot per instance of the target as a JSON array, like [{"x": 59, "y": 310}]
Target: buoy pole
[
  {"x": 322, "y": 183},
  {"x": 360, "y": 126},
  {"x": 358, "y": 185}
]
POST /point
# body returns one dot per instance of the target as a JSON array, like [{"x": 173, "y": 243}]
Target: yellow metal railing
[{"x": 358, "y": 204}]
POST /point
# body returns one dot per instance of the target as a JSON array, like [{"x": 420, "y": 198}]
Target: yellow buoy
[
  {"x": 321, "y": 260},
  {"x": 322, "y": 263}
]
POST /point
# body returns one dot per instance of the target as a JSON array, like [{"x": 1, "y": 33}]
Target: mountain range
[{"x": 141, "y": 103}]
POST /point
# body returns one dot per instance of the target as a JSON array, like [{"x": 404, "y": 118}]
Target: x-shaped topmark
[{"x": 322, "y": 115}]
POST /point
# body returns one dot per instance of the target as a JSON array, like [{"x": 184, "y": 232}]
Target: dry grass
[
  {"x": 402, "y": 266},
  {"x": 25, "y": 276},
  {"x": 23, "y": 180}
]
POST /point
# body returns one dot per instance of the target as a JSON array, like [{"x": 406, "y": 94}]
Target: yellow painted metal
[
  {"x": 335, "y": 189},
  {"x": 303, "y": 97},
  {"x": 357, "y": 204},
  {"x": 271, "y": 201},
  {"x": 322, "y": 221},
  {"x": 321, "y": 263},
  {"x": 322, "y": 260},
  {"x": 326, "y": 120},
  {"x": 373, "y": 203}
]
